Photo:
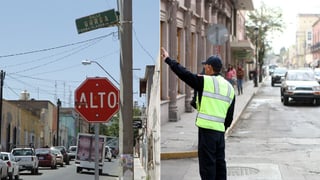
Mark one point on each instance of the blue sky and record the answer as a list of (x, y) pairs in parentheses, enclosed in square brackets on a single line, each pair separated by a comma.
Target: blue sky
[(41, 50)]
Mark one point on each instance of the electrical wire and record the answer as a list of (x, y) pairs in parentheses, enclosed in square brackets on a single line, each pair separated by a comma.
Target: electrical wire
[(142, 47), (57, 47)]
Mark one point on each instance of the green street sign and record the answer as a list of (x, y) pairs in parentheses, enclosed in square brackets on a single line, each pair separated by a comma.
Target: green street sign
[(98, 20)]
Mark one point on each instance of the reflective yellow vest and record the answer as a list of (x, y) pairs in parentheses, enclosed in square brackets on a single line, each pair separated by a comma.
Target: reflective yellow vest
[(217, 97)]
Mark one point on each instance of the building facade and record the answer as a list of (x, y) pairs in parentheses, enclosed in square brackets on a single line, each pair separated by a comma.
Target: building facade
[(20, 127), (32, 122), (45, 114), (304, 39), (315, 48)]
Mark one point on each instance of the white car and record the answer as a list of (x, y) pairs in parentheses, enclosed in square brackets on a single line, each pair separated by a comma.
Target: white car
[(26, 159), (72, 152), (13, 166), (300, 85), (3, 169), (108, 154), (317, 74)]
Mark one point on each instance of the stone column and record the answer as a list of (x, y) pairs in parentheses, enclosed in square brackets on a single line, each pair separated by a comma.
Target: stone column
[(188, 56), (173, 109)]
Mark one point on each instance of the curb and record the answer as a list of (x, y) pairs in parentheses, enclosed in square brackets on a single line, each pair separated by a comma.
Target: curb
[(179, 155), (229, 130)]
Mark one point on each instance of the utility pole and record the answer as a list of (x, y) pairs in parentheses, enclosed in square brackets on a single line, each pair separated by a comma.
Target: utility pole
[(58, 120), (2, 75), (126, 99)]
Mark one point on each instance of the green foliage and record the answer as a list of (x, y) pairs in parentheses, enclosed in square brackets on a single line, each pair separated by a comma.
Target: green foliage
[(268, 21), (136, 111), (112, 129)]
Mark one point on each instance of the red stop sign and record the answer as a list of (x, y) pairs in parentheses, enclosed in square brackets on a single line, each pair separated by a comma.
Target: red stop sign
[(97, 99)]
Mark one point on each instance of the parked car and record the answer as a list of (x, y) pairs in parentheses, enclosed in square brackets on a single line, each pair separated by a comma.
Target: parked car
[(26, 159), (59, 157), (108, 154), (317, 74), (63, 151), (271, 68), (46, 158), (300, 85), (72, 152), (3, 169), (278, 75), (13, 166)]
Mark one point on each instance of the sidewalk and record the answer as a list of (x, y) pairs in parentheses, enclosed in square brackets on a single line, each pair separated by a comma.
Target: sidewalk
[(179, 139)]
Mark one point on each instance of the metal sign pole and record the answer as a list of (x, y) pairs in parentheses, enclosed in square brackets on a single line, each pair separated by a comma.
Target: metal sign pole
[(96, 151)]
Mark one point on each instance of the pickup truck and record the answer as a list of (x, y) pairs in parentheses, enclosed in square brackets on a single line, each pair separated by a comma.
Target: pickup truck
[(26, 159)]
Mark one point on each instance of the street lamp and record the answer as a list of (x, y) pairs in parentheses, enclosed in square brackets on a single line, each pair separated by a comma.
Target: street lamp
[(88, 62), (256, 33)]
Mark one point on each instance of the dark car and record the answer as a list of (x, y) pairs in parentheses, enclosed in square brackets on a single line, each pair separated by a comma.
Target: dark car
[(46, 158), (64, 152), (278, 75)]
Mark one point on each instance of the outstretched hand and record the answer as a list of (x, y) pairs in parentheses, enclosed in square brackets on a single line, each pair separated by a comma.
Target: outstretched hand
[(164, 54)]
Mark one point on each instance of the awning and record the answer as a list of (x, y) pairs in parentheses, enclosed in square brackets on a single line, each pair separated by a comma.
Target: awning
[(241, 45)]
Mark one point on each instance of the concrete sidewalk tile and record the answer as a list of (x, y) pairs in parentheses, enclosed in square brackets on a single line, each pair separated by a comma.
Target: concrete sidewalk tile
[(139, 171)]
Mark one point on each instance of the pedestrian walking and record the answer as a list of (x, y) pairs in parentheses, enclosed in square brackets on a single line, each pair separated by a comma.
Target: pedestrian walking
[(215, 106), (240, 75), (231, 75)]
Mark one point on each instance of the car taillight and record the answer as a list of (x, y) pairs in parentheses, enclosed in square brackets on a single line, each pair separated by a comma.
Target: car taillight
[(9, 164)]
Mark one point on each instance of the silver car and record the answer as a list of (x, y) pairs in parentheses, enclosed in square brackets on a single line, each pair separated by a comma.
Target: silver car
[(300, 85), (317, 74), (13, 166)]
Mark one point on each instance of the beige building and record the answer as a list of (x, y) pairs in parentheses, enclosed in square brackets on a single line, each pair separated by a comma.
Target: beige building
[(38, 121), (315, 48), (183, 32), (304, 40), (19, 127)]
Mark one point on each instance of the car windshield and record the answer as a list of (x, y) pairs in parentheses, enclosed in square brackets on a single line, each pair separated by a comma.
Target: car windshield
[(73, 149), (280, 70), (22, 152), (4, 157), (42, 151), (301, 76)]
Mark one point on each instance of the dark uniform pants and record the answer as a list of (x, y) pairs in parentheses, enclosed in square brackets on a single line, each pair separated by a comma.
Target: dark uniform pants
[(211, 153)]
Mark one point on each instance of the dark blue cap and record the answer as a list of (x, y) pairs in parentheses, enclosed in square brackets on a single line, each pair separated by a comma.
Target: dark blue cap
[(214, 61)]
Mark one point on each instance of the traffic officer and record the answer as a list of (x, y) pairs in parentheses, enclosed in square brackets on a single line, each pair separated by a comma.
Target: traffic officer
[(215, 105)]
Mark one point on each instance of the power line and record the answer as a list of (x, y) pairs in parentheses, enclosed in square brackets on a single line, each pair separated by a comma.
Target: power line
[(55, 60), (57, 47), (144, 49)]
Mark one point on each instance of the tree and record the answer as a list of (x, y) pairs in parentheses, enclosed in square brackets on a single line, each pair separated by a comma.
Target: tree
[(268, 21)]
